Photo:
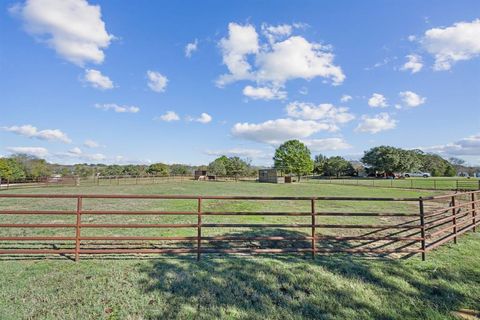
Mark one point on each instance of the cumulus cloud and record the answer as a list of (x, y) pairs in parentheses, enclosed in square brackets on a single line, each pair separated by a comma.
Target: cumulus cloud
[(376, 123), (264, 93), (241, 41), (156, 81), (91, 144), (73, 28), (276, 33), (169, 116), (272, 63), (377, 100), (77, 153), (97, 80), (190, 48), (411, 99), (38, 152), (469, 146), (452, 44), (238, 152), (414, 63), (345, 98), (117, 108), (204, 118), (323, 112), (327, 144), (279, 130), (32, 132)]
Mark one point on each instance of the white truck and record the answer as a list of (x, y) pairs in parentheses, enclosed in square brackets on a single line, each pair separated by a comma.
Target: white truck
[(417, 174)]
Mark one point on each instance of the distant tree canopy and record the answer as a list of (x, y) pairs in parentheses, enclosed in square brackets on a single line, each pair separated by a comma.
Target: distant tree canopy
[(338, 166), (218, 166), (159, 169), (11, 170), (333, 166), (386, 159), (293, 157), (33, 167), (229, 166), (180, 169)]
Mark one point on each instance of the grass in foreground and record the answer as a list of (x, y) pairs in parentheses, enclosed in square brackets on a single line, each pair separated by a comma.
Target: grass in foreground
[(267, 287), (241, 287)]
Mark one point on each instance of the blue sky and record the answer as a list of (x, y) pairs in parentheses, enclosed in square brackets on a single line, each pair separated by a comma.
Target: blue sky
[(111, 81)]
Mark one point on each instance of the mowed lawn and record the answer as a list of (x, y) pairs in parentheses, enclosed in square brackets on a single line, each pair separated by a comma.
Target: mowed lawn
[(292, 286)]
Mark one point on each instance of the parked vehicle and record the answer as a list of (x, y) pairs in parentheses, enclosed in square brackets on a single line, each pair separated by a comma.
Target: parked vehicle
[(417, 174)]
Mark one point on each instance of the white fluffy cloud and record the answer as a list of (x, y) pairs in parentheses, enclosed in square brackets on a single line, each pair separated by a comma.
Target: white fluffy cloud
[(78, 154), (115, 107), (451, 44), (469, 146), (73, 28), (327, 144), (190, 48), (411, 99), (32, 132), (264, 93), (277, 131), (97, 80), (33, 151), (323, 112), (345, 98), (156, 81), (276, 33), (238, 152), (169, 116), (204, 118), (414, 63), (377, 100), (241, 41), (91, 144), (377, 123), (272, 63)]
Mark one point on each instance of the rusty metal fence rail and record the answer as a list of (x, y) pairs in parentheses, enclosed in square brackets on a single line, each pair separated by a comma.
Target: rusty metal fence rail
[(436, 221)]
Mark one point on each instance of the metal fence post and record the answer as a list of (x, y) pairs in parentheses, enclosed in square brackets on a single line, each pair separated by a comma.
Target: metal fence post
[(77, 229), (454, 220), (199, 228), (474, 212), (422, 224), (313, 228)]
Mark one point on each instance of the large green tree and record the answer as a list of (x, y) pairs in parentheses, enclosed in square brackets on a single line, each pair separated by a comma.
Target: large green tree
[(236, 167), (218, 166), (158, 169), (338, 166), (388, 159), (293, 157), (11, 170), (319, 164)]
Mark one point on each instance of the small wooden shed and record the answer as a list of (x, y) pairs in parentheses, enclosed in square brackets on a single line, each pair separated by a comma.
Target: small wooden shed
[(270, 176), (200, 173)]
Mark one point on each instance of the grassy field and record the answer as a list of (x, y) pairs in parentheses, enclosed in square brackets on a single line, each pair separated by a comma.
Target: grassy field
[(338, 286), (435, 183)]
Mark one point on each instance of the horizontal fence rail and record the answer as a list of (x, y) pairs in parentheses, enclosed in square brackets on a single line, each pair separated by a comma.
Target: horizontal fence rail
[(419, 183), (426, 224)]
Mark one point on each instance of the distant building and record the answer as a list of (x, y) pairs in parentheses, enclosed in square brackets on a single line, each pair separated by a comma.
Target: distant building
[(270, 176), (200, 174)]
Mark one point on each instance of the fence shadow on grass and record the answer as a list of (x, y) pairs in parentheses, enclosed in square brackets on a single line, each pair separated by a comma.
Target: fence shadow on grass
[(336, 286)]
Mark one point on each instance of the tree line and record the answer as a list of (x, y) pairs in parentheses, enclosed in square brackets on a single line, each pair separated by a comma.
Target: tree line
[(292, 157), (21, 167)]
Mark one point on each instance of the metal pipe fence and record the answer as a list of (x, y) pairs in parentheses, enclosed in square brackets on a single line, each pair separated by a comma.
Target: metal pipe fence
[(420, 183), (435, 221)]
